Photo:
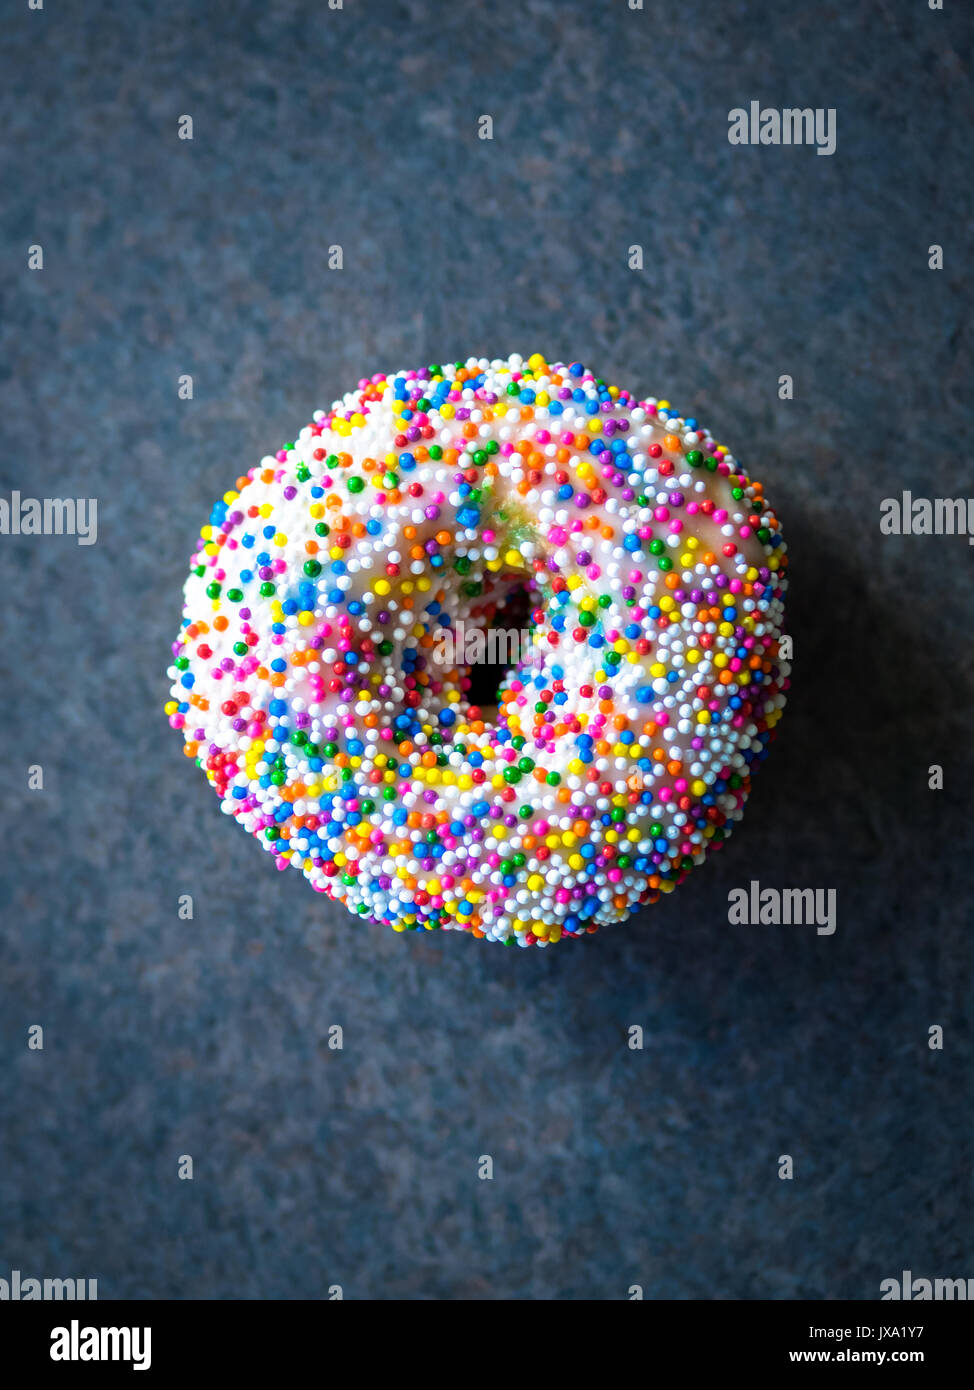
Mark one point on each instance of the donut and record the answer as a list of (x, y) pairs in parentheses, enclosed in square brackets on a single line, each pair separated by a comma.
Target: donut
[(319, 683)]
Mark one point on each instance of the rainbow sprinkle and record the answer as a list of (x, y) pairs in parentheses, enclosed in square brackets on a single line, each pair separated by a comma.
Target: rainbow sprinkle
[(305, 685)]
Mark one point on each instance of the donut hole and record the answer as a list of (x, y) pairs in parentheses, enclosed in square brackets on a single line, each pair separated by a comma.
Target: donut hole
[(506, 646)]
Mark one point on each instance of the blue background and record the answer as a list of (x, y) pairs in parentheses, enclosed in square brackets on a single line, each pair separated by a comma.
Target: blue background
[(163, 1037)]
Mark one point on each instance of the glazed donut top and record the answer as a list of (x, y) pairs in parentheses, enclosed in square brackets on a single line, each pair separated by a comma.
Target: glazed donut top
[(307, 682)]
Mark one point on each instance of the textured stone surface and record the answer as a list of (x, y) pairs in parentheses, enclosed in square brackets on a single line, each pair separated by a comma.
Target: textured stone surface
[(163, 1037)]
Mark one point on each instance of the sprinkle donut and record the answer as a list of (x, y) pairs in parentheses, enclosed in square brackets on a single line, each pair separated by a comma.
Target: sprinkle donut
[(309, 678)]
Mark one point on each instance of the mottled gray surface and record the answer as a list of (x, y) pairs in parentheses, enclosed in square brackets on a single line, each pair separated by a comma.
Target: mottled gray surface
[(164, 1037)]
